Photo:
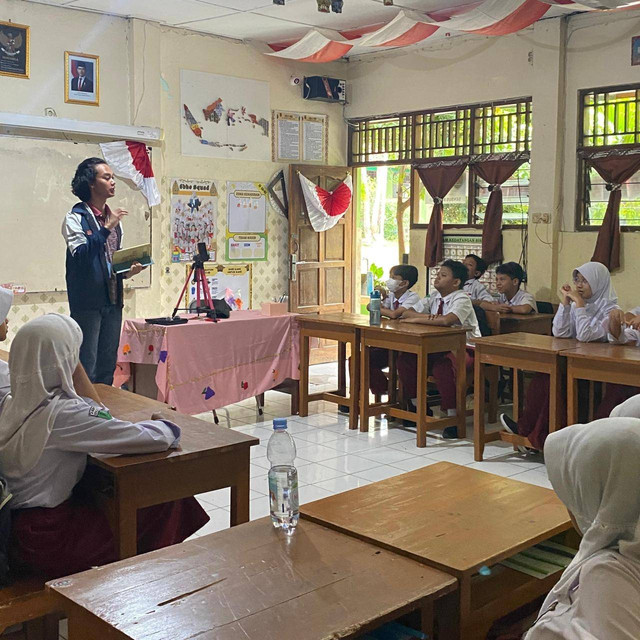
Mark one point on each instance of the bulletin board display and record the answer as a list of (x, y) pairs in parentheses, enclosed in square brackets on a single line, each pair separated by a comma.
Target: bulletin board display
[(230, 282)]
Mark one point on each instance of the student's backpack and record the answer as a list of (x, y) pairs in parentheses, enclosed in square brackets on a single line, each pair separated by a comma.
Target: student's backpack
[(5, 532)]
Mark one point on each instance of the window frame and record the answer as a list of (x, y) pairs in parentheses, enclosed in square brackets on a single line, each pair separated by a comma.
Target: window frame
[(581, 164), (412, 156)]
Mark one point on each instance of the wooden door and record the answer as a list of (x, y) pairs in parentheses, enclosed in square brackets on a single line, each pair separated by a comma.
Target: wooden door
[(320, 263)]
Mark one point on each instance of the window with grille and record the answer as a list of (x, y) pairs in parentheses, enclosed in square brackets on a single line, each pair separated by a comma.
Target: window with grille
[(609, 122), (452, 132)]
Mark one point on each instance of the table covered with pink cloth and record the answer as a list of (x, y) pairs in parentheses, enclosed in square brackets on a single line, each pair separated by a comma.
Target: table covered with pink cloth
[(204, 365)]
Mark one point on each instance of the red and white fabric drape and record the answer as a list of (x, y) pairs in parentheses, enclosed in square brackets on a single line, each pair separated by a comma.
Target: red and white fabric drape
[(485, 17)]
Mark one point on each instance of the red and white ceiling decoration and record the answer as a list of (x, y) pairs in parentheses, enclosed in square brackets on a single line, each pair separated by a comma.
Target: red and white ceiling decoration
[(485, 17)]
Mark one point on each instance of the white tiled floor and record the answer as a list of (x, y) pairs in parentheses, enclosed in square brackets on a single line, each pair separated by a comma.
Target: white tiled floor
[(331, 458)]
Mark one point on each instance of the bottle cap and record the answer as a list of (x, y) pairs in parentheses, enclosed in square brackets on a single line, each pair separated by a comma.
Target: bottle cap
[(279, 424), (375, 294)]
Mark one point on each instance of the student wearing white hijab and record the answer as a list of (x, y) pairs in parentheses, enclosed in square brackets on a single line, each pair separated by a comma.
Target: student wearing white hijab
[(594, 470), (628, 409), (6, 300), (46, 431), (581, 314)]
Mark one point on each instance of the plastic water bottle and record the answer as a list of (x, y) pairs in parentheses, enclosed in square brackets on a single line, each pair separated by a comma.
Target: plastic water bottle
[(374, 309), (283, 478), (369, 282)]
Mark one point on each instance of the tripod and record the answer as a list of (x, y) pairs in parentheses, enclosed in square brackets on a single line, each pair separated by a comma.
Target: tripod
[(202, 290)]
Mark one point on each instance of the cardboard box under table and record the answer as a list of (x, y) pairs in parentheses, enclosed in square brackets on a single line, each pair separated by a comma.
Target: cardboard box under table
[(458, 520)]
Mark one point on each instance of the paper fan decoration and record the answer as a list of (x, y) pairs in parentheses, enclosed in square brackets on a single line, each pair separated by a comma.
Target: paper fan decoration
[(324, 207)]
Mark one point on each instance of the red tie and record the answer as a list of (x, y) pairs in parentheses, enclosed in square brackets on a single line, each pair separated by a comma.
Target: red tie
[(396, 304), (440, 307)]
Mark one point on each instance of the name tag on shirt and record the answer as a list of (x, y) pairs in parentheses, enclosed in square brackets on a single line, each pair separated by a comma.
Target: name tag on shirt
[(96, 412)]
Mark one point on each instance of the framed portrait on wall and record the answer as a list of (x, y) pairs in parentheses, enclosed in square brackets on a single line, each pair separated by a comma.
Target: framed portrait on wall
[(635, 50), (81, 78), (14, 50)]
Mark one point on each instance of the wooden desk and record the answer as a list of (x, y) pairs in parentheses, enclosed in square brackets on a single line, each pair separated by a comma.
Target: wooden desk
[(458, 520), (599, 362), (421, 340), (250, 583), (520, 352), (209, 458), (344, 328), (513, 323)]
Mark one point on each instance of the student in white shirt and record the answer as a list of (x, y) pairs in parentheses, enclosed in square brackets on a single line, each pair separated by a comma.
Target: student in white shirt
[(476, 267), (512, 299), (48, 425), (448, 306), (581, 315), (6, 300), (594, 470)]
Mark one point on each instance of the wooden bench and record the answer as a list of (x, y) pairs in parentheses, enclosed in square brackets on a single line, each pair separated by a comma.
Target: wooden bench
[(26, 602)]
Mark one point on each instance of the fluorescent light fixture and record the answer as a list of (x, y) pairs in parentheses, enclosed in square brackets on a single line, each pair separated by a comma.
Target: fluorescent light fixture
[(47, 127)]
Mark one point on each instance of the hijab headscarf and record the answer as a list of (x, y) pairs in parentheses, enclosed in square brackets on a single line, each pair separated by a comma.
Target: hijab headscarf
[(603, 295), (628, 409), (594, 470), (6, 300), (43, 357)]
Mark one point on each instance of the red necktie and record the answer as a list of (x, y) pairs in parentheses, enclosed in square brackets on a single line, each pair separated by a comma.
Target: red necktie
[(396, 304), (440, 307)]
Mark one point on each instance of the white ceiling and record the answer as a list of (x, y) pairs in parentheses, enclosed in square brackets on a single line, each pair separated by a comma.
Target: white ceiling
[(256, 19)]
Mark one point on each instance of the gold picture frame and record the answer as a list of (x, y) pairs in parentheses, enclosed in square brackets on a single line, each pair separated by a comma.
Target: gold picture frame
[(81, 78), (14, 50)]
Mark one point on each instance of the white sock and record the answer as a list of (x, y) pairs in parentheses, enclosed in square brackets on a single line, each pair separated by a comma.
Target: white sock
[(451, 412)]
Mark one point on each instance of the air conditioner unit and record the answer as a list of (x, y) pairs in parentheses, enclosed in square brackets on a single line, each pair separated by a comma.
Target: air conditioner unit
[(324, 89)]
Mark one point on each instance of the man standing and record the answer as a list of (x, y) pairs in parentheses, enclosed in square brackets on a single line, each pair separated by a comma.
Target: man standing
[(93, 233), (82, 83)]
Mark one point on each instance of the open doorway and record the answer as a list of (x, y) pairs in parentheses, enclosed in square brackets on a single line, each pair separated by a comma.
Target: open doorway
[(383, 212)]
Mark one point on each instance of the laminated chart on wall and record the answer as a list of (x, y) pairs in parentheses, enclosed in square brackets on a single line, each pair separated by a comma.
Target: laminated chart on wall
[(300, 137), (194, 208), (457, 248), (246, 221), (230, 282)]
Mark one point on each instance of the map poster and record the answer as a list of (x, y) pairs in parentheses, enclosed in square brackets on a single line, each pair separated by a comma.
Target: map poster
[(246, 221), (194, 209)]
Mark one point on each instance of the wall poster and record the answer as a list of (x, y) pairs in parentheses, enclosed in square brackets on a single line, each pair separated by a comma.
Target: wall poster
[(224, 117), (194, 208), (246, 221), (300, 137)]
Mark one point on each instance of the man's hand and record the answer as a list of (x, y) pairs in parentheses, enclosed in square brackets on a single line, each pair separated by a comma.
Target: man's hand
[(503, 308), (616, 320), (635, 323), (135, 269), (160, 416), (115, 218)]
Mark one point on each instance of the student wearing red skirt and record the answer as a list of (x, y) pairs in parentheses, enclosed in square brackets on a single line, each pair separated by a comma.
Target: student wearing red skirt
[(49, 423), (582, 315)]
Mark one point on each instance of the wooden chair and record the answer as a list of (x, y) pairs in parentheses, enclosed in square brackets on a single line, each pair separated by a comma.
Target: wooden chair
[(26, 602)]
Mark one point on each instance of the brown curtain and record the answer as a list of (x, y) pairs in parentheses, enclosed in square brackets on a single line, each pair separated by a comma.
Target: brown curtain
[(496, 173), (615, 170), (438, 179)]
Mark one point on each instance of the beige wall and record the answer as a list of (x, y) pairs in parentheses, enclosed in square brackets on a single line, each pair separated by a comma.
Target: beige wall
[(550, 62), (135, 56)]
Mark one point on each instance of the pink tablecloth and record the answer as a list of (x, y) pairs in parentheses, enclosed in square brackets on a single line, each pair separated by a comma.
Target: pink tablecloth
[(204, 366)]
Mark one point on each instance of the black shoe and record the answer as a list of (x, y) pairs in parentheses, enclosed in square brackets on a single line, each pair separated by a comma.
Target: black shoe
[(343, 408), (450, 433), (509, 423)]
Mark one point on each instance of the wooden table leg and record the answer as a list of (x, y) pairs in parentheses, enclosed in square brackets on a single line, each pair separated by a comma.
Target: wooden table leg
[(364, 384), (467, 630), (393, 377), (493, 375), (354, 385), (461, 388), (421, 406), (240, 492), (555, 389), (126, 519), (342, 373), (304, 374), (427, 617), (478, 408), (515, 377), (572, 397)]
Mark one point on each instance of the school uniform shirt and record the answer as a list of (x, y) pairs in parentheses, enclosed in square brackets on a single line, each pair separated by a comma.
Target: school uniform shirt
[(477, 291), (5, 383), (408, 300), (82, 427), (459, 303), (591, 322), (628, 335), (521, 297)]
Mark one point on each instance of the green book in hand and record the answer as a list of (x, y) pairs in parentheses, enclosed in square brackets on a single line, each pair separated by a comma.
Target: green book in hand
[(124, 258)]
